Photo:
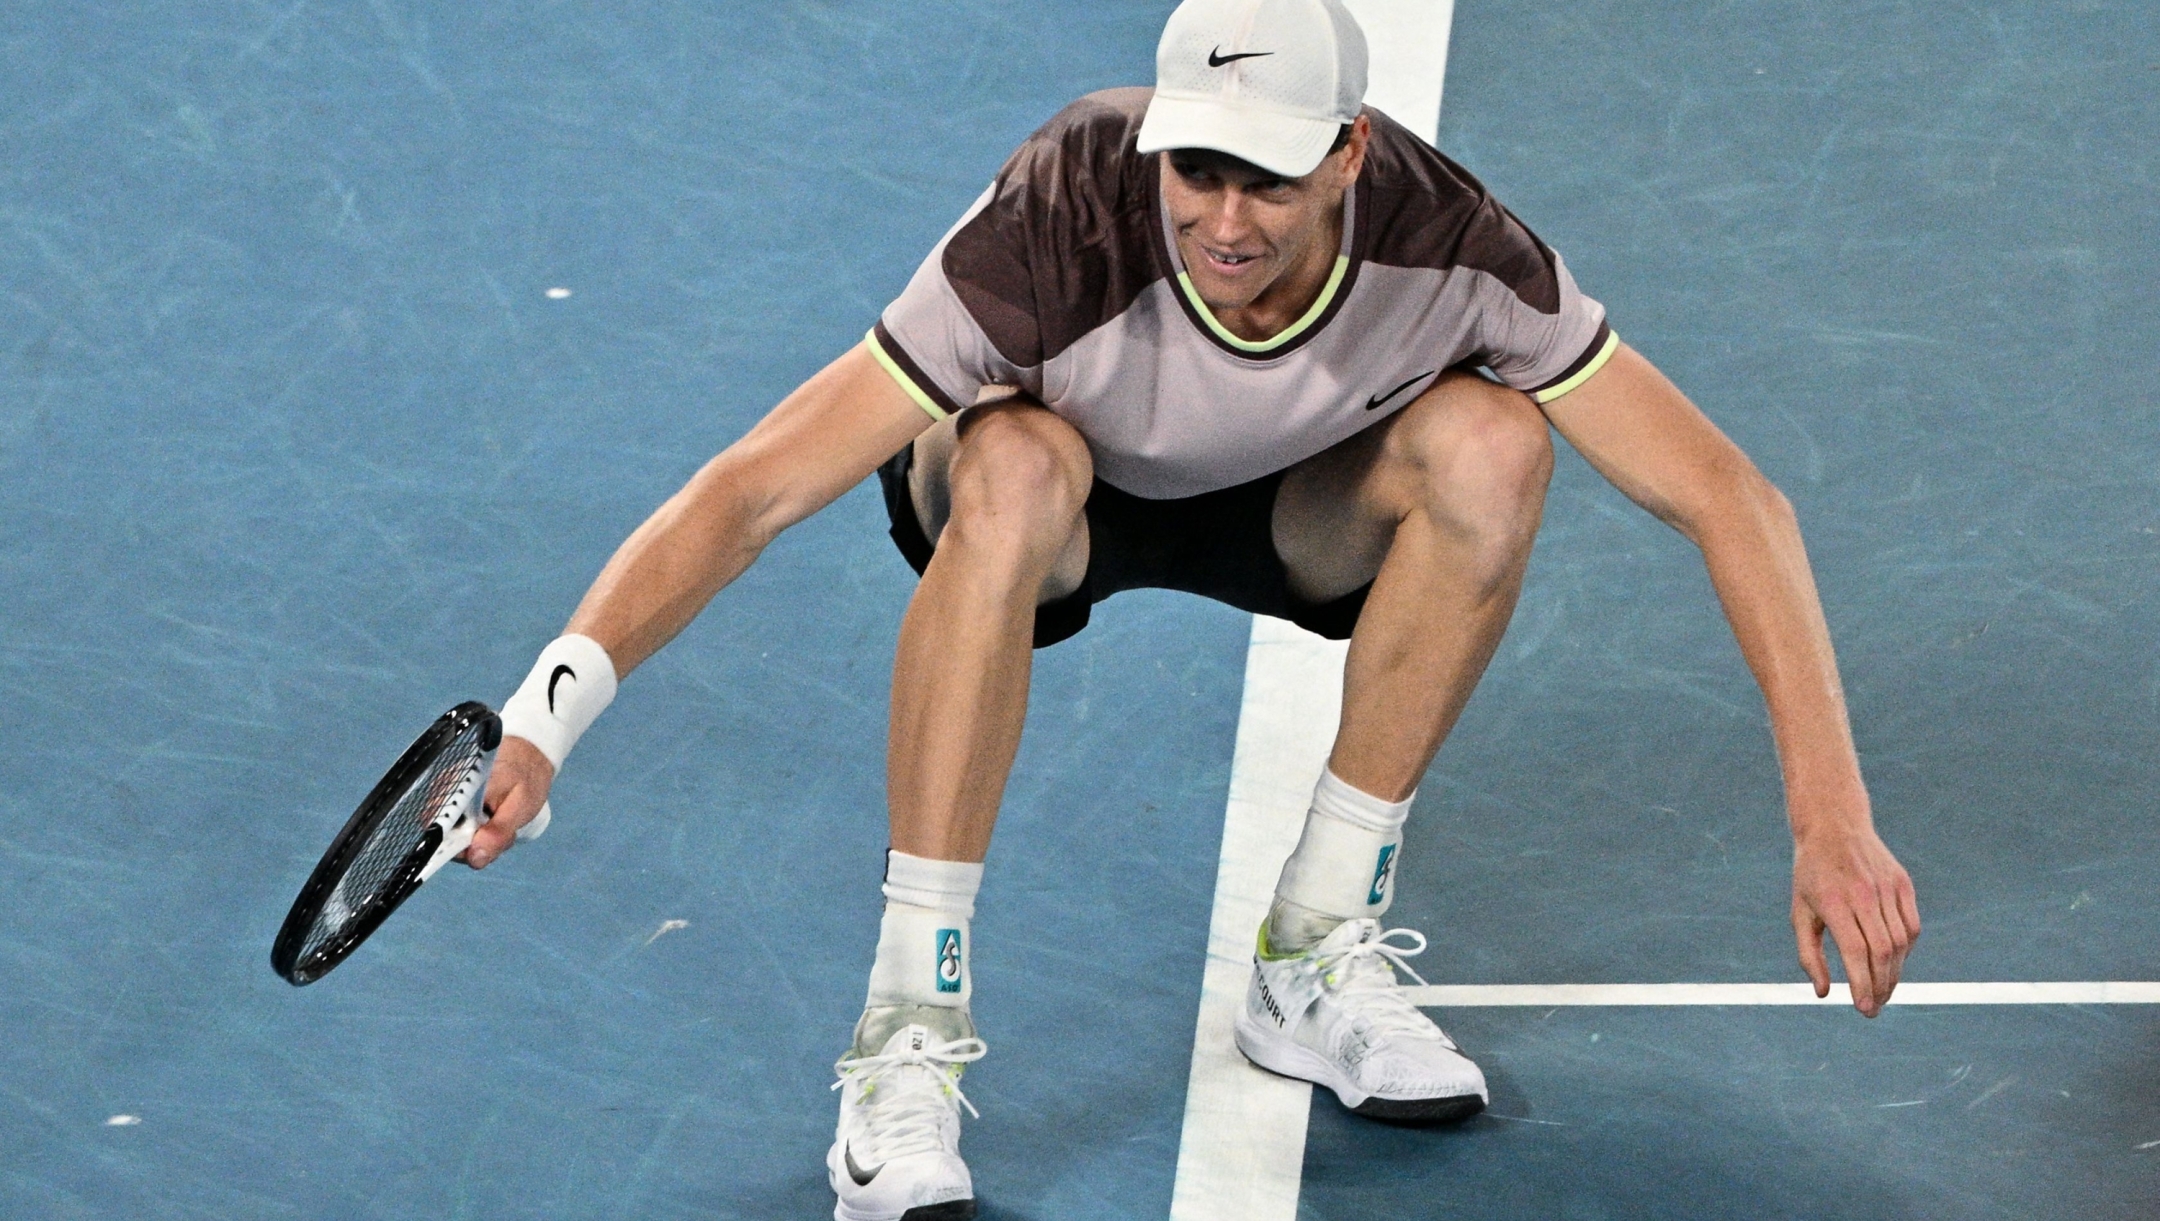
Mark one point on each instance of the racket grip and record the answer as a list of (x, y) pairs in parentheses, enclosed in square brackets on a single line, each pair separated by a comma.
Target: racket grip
[(454, 841), (538, 825), (460, 835)]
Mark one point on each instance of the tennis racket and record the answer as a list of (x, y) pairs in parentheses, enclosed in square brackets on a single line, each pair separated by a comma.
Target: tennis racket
[(420, 815)]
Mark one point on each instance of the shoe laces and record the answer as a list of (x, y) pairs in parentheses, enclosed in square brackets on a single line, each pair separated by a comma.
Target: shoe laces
[(1361, 976), (910, 1093)]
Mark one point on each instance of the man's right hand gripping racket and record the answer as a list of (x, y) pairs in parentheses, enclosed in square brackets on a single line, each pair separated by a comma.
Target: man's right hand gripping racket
[(418, 818)]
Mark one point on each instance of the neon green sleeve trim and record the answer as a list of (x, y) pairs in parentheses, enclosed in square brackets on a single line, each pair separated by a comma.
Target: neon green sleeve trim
[(1319, 307), (1605, 353), (907, 383)]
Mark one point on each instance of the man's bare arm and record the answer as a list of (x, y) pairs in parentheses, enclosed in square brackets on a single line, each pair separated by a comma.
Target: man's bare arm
[(1641, 433), (820, 441)]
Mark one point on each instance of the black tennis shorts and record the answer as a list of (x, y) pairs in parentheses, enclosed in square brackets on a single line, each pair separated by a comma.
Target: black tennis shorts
[(1219, 545)]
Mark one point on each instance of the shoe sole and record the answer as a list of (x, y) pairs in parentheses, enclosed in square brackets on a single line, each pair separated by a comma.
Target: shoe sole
[(950, 1210), (1286, 1059), (1419, 1112)]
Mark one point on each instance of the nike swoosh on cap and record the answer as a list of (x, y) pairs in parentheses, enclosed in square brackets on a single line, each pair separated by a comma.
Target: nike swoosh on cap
[(1217, 59), (861, 1176), (1375, 401), (554, 678)]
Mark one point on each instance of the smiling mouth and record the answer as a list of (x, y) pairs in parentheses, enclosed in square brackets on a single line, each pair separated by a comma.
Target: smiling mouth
[(1226, 261)]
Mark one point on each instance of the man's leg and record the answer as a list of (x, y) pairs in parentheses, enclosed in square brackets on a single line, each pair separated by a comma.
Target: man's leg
[(1438, 508), (1001, 492)]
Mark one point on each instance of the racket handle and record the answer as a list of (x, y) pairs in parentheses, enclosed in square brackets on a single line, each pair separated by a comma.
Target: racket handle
[(460, 835), (454, 841)]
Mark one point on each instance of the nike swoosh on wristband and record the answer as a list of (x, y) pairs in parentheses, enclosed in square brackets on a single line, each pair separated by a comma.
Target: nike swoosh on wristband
[(861, 1176), (1375, 401), (554, 678), (1217, 59)]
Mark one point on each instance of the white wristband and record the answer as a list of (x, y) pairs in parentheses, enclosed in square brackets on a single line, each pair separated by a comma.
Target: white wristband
[(566, 691)]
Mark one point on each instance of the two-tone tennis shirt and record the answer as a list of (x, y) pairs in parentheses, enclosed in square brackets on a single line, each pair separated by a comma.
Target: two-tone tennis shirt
[(1064, 279)]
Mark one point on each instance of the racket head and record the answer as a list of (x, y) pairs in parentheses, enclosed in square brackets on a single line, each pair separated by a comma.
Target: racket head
[(375, 862)]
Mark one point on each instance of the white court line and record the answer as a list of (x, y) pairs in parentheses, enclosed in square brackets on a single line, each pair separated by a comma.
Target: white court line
[(1242, 1153), (1474, 996)]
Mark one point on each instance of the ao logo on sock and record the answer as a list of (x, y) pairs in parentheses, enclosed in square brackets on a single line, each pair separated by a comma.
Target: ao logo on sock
[(948, 960), (1381, 874)]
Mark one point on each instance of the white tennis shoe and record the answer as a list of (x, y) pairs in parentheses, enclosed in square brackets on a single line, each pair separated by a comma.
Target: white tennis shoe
[(896, 1155), (1334, 1015)]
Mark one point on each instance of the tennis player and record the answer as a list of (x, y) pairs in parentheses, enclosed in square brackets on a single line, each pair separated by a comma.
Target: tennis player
[(1243, 337)]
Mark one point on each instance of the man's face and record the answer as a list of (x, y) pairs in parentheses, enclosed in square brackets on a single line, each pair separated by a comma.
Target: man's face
[(1240, 228)]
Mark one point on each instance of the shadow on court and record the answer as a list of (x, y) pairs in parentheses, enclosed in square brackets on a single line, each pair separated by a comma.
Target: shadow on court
[(1948, 1114)]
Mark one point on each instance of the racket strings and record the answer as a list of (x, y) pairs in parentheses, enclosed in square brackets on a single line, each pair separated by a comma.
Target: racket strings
[(381, 860)]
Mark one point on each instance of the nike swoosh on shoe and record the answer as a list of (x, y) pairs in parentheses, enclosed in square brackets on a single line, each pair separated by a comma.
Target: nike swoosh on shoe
[(861, 1176)]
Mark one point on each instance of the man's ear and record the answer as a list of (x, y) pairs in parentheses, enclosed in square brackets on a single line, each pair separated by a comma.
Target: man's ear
[(1354, 151)]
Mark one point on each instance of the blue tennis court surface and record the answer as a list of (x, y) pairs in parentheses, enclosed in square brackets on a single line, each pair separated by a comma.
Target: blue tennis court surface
[(297, 449)]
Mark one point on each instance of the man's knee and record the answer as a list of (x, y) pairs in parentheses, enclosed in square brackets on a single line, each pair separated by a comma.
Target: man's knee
[(1018, 474), (1476, 454)]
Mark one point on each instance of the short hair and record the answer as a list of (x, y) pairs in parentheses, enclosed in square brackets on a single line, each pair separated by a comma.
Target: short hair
[(1214, 159)]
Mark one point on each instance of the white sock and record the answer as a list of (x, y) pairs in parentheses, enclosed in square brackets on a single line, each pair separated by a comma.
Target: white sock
[(1344, 865), (923, 941), (939, 885)]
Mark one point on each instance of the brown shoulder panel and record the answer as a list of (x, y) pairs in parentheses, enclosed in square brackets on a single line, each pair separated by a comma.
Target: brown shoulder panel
[(1429, 212), (1066, 241)]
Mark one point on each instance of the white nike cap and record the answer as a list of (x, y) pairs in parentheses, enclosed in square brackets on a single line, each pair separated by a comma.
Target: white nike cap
[(1269, 81)]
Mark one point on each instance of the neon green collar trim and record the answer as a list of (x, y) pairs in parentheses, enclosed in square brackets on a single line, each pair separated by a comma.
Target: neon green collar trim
[(1288, 333)]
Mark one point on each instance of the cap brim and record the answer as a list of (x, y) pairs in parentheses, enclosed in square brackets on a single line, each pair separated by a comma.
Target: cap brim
[(1278, 143)]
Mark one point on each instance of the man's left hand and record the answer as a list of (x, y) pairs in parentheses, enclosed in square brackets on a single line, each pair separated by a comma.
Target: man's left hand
[(1848, 884)]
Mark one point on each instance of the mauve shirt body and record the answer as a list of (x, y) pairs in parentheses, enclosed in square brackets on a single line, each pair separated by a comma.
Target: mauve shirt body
[(1063, 279)]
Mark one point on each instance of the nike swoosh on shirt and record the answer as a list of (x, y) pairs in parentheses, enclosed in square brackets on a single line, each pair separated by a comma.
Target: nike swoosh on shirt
[(554, 678), (1374, 402), (861, 1176), (1217, 59)]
